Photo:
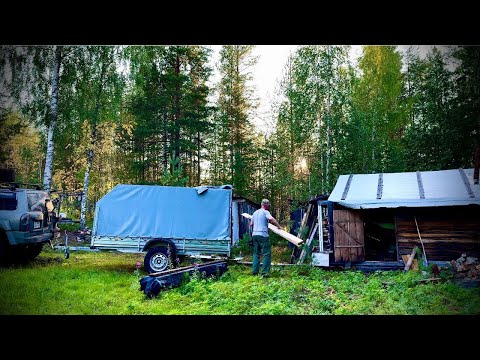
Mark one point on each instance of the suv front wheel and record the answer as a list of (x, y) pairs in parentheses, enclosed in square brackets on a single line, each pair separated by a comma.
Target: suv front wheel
[(32, 251), (4, 248)]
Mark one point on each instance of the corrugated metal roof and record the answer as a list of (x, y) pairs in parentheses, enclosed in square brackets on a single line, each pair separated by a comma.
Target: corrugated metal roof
[(409, 189)]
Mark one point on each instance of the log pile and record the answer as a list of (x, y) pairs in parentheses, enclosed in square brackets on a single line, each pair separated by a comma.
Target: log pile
[(467, 267)]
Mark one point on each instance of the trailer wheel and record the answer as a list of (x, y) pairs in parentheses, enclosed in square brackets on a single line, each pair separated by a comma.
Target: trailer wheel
[(157, 259)]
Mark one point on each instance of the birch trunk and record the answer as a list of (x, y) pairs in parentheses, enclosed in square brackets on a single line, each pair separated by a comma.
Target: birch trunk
[(327, 180), (327, 172), (47, 174), (86, 180), (320, 149)]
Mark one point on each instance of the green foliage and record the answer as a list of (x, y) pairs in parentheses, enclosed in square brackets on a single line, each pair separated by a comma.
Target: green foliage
[(168, 106), (69, 227), (20, 147), (150, 116), (243, 247), (107, 283), (231, 142)]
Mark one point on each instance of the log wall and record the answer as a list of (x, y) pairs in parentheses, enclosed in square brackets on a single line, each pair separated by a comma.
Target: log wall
[(447, 232)]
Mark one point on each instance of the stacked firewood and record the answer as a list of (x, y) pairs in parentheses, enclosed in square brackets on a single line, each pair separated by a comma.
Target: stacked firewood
[(466, 267)]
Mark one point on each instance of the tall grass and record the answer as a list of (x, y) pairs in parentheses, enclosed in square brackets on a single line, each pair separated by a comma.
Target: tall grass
[(108, 283)]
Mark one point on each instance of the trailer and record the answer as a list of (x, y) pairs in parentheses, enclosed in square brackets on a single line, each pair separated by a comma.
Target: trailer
[(165, 222)]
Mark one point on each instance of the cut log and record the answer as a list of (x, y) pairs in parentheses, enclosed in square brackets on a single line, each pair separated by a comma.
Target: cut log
[(410, 260), (287, 236)]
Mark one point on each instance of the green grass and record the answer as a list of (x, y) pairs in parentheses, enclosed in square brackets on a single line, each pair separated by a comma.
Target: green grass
[(107, 283)]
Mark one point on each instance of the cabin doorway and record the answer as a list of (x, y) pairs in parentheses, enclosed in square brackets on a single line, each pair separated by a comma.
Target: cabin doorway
[(380, 240)]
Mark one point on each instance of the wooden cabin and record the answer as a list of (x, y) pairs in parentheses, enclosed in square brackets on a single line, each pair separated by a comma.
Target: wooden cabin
[(377, 218), (240, 224)]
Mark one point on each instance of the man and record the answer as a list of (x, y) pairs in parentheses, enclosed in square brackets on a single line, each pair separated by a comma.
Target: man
[(261, 241)]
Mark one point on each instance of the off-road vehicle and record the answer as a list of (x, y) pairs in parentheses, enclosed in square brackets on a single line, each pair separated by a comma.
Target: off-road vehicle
[(26, 222)]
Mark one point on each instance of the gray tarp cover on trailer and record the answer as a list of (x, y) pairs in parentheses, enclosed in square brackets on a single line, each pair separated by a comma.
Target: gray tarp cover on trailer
[(408, 189), (165, 211)]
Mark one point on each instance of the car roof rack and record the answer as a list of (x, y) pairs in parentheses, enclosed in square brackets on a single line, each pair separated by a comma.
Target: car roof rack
[(16, 185)]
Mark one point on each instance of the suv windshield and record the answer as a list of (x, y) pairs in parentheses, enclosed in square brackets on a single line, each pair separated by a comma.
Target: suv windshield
[(8, 200)]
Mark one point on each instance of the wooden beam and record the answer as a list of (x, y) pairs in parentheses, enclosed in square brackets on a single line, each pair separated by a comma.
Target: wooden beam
[(414, 266), (304, 223), (306, 249), (338, 223), (320, 229), (410, 260), (287, 236)]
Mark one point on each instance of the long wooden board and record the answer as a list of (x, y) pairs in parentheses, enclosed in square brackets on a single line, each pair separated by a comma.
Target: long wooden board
[(287, 236)]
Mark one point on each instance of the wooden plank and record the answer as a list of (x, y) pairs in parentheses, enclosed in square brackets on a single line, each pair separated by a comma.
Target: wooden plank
[(345, 238), (306, 249), (347, 232), (287, 236), (396, 235), (439, 241), (351, 227), (410, 260), (414, 263), (303, 232), (349, 246), (320, 230), (338, 236), (358, 228)]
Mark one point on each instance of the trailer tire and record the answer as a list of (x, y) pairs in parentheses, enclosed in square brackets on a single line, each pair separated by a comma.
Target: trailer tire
[(157, 259)]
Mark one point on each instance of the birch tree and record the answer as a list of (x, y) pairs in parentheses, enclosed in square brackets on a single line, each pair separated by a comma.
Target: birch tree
[(42, 79), (100, 93)]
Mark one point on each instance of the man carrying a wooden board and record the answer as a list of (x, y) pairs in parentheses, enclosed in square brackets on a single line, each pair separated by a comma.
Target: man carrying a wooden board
[(261, 240)]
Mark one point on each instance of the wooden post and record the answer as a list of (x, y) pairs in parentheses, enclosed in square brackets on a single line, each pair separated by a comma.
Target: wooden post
[(320, 230), (421, 242)]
